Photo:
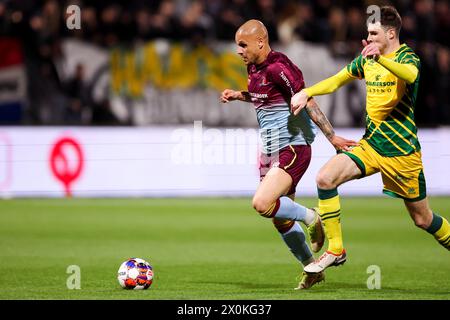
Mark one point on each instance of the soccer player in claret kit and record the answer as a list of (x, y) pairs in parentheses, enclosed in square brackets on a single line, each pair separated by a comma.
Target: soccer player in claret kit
[(286, 151), (390, 144)]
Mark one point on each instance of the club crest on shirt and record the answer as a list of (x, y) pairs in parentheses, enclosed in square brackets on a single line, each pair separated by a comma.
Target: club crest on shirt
[(264, 82)]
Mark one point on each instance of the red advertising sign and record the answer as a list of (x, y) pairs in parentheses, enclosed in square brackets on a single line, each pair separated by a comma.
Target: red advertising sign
[(66, 162)]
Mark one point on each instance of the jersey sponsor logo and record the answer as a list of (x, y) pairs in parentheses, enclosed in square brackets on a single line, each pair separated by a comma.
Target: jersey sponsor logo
[(259, 95), (380, 83), (378, 90), (288, 83)]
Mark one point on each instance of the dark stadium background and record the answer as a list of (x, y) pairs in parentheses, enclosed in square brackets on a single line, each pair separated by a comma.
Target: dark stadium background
[(339, 26)]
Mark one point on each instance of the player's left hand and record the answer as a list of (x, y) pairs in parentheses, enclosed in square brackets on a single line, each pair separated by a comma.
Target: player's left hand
[(343, 144), (370, 50), (298, 102)]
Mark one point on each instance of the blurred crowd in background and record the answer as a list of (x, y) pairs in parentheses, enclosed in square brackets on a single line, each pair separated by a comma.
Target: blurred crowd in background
[(338, 24)]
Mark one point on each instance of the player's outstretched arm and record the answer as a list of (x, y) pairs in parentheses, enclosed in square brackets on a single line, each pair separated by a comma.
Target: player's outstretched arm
[(329, 85), (319, 118), (231, 95)]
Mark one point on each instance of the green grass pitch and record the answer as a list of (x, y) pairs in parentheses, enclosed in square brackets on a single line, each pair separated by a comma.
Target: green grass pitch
[(209, 249)]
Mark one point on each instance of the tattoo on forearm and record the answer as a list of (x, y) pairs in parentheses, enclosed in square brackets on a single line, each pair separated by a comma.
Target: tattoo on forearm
[(320, 119)]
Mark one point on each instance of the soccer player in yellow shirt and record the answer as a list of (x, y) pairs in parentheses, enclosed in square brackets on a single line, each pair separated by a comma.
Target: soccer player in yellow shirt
[(390, 144)]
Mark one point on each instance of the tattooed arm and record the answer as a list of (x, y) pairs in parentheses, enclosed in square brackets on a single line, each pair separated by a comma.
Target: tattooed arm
[(319, 118)]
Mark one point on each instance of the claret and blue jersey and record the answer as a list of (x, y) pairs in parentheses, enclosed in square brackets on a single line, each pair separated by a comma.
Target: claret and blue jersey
[(271, 85)]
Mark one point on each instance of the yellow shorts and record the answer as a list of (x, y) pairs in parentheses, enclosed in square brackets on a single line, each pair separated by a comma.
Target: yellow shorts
[(402, 176)]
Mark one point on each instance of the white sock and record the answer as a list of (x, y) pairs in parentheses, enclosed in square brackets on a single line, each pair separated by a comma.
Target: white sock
[(310, 216)]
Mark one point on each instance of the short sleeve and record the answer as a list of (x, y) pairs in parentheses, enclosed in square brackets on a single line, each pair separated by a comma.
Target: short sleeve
[(411, 58), (355, 68), (288, 79)]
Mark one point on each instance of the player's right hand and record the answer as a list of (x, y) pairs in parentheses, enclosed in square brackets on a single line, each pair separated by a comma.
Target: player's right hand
[(370, 50), (298, 102), (229, 95), (342, 144)]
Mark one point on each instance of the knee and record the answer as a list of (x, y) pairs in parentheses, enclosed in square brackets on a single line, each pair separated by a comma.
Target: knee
[(260, 205), (324, 181), (422, 220), (420, 223)]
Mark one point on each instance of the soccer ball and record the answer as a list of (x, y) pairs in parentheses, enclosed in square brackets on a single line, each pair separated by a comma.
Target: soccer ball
[(135, 273)]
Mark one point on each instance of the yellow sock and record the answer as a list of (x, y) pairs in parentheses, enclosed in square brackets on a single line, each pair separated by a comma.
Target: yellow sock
[(440, 229), (330, 213)]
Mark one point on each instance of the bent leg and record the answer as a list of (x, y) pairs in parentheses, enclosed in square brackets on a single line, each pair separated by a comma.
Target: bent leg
[(275, 184), (337, 170), (269, 200), (431, 222), (420, 212)]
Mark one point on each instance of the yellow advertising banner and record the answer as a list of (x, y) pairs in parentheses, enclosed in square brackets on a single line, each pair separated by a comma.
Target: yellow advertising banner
[(178, 66)]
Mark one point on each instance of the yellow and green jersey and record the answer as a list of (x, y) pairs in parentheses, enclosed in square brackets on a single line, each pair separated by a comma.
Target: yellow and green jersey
[(390, 103)]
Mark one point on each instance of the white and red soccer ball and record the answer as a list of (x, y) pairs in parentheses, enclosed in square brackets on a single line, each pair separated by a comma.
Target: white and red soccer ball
[(136, 274)]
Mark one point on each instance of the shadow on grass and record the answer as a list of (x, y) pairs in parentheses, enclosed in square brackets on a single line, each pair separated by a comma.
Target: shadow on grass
[(337, 290), (243, 285), (385, 292)]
